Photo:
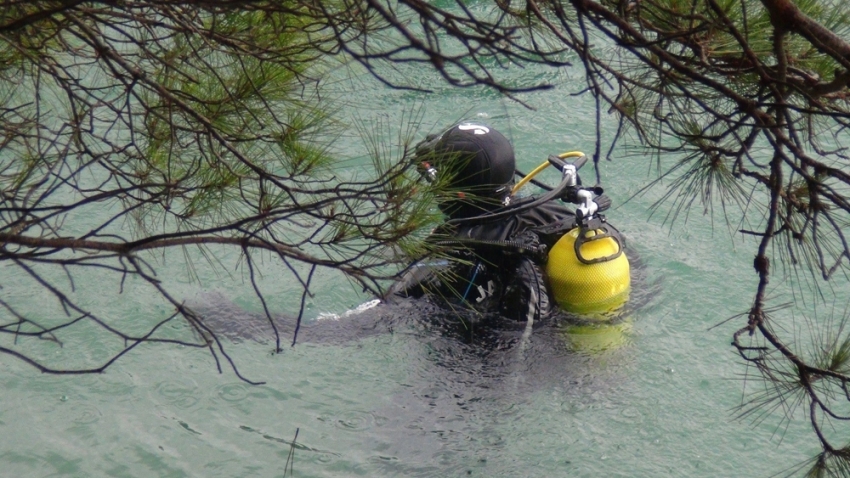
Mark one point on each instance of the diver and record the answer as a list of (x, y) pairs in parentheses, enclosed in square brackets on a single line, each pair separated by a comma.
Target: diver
[(498, 243), (501, 261)]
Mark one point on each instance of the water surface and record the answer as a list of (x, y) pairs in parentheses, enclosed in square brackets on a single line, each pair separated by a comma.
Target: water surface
[(411, 400)]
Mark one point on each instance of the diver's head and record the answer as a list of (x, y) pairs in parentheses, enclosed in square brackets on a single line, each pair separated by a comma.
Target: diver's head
[(480, 163)]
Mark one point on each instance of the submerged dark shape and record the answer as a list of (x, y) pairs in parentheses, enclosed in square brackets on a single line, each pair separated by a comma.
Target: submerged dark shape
[(408, 316), (227, 319), (426, 317)]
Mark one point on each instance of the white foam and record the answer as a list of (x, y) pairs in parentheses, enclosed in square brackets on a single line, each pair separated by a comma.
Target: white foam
[(360, 308)]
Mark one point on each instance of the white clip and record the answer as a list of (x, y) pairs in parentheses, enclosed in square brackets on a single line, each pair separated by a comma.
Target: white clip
[(570, 174)]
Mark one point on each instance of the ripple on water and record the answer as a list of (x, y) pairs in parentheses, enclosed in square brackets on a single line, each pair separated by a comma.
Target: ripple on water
[(628, 416), (356, 421), (232, 392), (85, 414), (180, 394), (82, 419)]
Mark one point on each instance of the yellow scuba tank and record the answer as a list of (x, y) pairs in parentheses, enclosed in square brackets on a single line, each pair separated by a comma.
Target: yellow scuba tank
[(589, 275), (587, 269)]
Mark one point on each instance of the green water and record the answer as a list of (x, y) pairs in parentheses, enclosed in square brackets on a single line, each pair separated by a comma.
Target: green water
[(412, 403)]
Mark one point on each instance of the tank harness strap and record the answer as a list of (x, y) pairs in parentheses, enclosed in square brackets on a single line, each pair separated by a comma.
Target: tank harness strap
[(601, 230)]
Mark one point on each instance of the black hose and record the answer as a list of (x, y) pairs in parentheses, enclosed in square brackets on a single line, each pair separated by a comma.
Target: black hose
[(538, 250), (506, 211)]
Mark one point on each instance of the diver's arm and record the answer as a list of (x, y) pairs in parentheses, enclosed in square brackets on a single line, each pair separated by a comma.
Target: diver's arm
[(415, 281)]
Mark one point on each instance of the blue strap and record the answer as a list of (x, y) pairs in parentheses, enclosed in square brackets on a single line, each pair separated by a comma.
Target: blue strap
[(472, 280)]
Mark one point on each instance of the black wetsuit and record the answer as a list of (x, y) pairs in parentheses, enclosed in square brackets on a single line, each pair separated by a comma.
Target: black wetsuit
[(496, 267)]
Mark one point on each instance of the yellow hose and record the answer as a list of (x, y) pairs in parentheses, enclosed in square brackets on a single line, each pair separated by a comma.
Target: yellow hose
[(528, 177)]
